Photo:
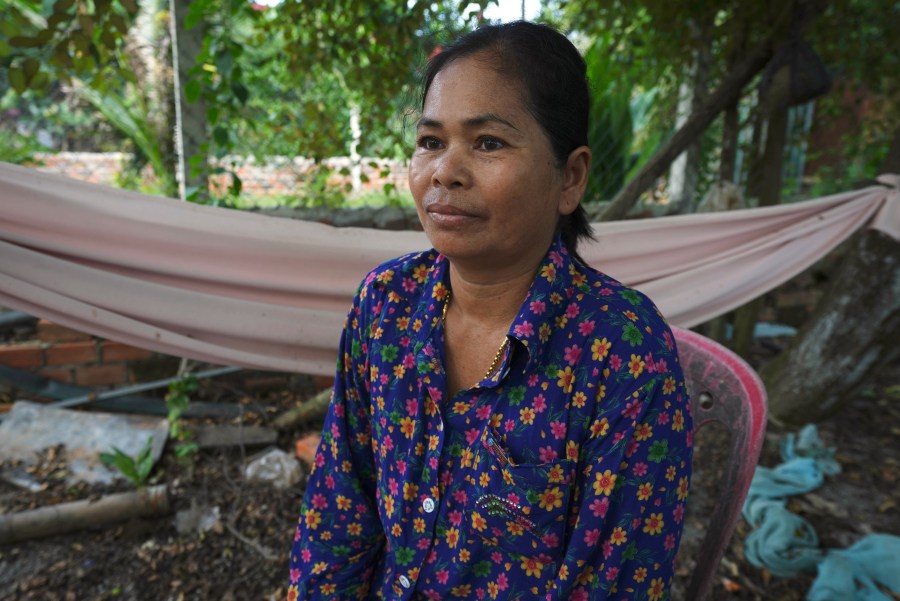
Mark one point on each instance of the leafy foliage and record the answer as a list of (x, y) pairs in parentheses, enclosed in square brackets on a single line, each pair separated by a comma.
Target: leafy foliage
[(136, 469)]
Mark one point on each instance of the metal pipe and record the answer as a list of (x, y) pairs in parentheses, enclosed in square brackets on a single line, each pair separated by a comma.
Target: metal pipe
[(111, 394)]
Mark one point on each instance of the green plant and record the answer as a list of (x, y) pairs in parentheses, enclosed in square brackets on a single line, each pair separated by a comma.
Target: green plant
[(136, 469), (177, 401)]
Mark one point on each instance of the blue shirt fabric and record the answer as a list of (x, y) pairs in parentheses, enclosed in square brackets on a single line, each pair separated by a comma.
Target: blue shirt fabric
[(562, 476)]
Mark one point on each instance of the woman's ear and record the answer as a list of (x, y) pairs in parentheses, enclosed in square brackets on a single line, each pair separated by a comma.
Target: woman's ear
[(575, 176)]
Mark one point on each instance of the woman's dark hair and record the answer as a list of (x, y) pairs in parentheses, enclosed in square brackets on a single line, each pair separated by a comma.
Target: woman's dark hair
[(553, 75)]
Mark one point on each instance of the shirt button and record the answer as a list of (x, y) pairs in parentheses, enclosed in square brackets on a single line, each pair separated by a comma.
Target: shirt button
[(428, 504), (404, 581)]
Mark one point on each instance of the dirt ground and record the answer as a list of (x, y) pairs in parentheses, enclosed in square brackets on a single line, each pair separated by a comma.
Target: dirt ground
[(245, 556)]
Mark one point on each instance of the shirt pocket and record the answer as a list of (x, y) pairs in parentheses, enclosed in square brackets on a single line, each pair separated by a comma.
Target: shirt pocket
[(519, 508)]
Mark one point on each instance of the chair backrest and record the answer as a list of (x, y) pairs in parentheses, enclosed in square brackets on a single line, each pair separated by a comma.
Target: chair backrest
[(725, 389)]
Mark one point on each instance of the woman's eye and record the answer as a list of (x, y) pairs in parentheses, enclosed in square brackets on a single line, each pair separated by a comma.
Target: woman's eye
[(487, 143), (429, 143)]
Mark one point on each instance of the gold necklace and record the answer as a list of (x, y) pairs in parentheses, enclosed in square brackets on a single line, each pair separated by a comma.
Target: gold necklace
[(500, 351)]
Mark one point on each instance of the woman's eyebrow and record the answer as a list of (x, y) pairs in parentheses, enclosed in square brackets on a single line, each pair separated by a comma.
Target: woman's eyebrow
[(469, 123)]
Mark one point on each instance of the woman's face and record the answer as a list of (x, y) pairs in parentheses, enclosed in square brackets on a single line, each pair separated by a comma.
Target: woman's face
[(483, 174)]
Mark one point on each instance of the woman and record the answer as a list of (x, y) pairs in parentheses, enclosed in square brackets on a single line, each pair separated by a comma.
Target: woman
[(507, 423)]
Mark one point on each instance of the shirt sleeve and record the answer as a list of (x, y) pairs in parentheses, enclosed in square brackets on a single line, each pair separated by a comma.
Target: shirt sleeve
[(629, 496), (339, 536)]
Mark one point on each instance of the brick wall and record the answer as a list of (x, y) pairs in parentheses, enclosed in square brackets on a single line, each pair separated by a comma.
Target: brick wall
[(76, 358), (279, 176)]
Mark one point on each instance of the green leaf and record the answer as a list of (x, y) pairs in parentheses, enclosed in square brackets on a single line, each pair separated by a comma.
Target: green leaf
[(17, 80), (220, 135), (192, 90), (40, 82), (240, 92), (21, 41)]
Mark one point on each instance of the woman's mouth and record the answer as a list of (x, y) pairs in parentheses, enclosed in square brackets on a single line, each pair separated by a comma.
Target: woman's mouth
[(448, 215)]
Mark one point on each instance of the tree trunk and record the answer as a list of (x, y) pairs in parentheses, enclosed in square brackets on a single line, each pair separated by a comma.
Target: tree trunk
[(851, 335), (725, 94), (193, 125), (686, 168)]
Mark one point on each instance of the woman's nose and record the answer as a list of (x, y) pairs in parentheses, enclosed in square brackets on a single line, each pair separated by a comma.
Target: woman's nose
[(452, 169)]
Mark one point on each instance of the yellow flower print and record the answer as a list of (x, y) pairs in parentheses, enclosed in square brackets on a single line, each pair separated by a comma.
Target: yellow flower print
[(420, 273), (682, 490), (636, 366), (514, 528), (386, 276), (654, 524), (600, 349), (618, 537), (396, 530), (657, 589), (407, 426), (527, 415), (605, 483), (640, 574), (550, 499), (544, 332), (484, 479), (572, 450), (643, 432), (669, 385), (399, 371), (566, 379), (410, 490), (343, 503), (452, 537), (464, 555), (549, 271), (478, 522), (671, 472), (678, 421), (630, 315), (599, 428), (440, 291), (354, 529), (579, 399), (313, 519), (463, 590), (601, 392), (493, 589), (555, 474), (389, 504), (419, 525), (644, 491), (532, 567)]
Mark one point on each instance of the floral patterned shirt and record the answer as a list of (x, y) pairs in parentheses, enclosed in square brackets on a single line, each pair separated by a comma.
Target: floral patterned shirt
[(562, 476)]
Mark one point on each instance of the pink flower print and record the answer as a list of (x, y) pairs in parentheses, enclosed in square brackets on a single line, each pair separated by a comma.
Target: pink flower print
[(551, 540), (502, 582), (513, 498), (663, 418), (592, 537), (393, 486), (533, 379), (600, 507), (537, 307), (442, 576), (607, 549), (455, 517), (615, 362), (631, 447), (612, 573), (306, 554), (339, 410), (571, 354), (497, 557), (483, 412), (586, 327), (412, 406), (556, 258), (460, 496), (558, 428), (661, 366), (639, 469), (433, 463), (651, 363), (678, 513), (605, 291), (579, 594), (472, 435), (540, 403), (409, 361), (633, 409), (319, 501), (547, 454), (670, 542), (572, 310), (329, 480), (409, 285), (509, 424), (668, 338), (423, 543), (401, 466), (320, 459), (524, 329)]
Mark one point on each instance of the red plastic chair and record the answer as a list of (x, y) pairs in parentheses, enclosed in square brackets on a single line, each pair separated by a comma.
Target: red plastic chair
[(723, 388)]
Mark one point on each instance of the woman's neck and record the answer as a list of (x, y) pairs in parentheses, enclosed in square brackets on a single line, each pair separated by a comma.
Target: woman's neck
[(488, 299)]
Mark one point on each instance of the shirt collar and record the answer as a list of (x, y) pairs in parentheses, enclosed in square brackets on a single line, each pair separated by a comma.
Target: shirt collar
[(546, 303)]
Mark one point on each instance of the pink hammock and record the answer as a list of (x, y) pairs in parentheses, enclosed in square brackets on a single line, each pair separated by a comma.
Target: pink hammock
[(237, 288)]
